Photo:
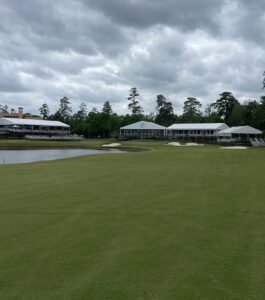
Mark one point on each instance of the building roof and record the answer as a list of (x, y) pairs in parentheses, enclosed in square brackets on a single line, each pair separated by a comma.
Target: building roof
[(240, 130), (11, 121), (198, 126), (144, 125)]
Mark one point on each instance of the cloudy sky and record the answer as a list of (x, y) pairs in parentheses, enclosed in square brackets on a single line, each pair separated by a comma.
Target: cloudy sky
[(96, 50)]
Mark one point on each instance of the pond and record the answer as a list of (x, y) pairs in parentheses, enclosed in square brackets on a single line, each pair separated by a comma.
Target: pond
[(26, 156)]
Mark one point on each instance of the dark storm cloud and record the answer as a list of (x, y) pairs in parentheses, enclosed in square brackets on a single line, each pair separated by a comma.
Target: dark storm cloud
[(93, 50)]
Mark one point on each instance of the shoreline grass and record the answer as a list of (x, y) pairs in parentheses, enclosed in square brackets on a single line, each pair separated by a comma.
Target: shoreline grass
[(85, 144)]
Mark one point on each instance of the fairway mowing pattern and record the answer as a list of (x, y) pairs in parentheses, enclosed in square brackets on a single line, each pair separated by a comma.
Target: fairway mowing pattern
[(170, 223)]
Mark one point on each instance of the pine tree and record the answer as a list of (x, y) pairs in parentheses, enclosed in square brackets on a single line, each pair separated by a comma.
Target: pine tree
[(134, 105), (44, 111), (165, 114), (225, 105), (107, 108), (191, 110)]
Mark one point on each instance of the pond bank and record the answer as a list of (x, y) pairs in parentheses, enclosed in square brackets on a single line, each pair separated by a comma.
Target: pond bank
[(95, 144)]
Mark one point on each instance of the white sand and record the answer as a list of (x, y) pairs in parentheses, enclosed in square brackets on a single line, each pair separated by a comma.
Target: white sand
[(176, 144), (113, 145), (234, 147)]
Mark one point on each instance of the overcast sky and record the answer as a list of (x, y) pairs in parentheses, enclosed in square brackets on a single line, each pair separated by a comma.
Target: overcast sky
[(96, 50)]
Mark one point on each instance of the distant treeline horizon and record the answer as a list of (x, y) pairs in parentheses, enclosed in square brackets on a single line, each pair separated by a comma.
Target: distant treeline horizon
[(226, 109)]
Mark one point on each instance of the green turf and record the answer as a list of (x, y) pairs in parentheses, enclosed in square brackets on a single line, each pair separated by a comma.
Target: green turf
[(22, 144), (170, 223)]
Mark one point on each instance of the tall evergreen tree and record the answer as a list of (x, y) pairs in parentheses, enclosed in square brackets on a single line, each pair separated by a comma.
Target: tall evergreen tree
[(191, 110), (81, 114), (64, 112), (44, 111), (225, 105), (134, 105), (107, 108), (165, 114)]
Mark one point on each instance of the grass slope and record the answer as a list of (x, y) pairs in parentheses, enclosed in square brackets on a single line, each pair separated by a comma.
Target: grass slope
[(171, 223)]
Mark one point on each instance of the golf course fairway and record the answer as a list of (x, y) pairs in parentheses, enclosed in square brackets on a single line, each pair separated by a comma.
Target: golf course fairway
[(168, 223)]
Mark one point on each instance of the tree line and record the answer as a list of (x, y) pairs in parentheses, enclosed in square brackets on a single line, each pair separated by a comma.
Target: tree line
[(101, 123)]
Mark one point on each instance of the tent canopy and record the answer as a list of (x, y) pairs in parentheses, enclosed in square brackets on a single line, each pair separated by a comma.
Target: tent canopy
[(240, 130), (31, 122), (198, 126), (143, 125)]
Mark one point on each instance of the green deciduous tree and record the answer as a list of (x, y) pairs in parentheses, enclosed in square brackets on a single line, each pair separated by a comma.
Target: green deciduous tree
[(210, 115), (3, 108), (260, 114), (237, 116)]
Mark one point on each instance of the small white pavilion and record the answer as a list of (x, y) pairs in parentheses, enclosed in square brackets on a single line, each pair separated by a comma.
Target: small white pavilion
[(143, 129), (238, 135)]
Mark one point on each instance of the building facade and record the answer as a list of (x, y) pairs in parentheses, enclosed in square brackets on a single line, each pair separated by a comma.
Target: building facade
[(238, 135), (19, 114), (200, 132), (19, 128), (143, 129), (195, 131)]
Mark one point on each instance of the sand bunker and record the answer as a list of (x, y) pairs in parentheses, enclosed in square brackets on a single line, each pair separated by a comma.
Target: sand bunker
[(177, 144), (112, 145), (234, 147)]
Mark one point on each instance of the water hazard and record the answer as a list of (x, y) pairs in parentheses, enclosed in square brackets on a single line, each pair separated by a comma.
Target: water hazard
[(26, 156)]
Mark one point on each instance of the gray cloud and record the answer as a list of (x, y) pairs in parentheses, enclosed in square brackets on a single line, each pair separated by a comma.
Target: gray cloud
[(94, 50), (146, 13)]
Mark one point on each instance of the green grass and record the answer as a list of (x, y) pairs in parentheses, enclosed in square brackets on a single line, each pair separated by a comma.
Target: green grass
[(85, 144), (22, 144), (170, 223)]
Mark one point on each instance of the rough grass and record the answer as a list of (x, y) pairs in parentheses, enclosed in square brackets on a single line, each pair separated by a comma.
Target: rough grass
[(170, 223)]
